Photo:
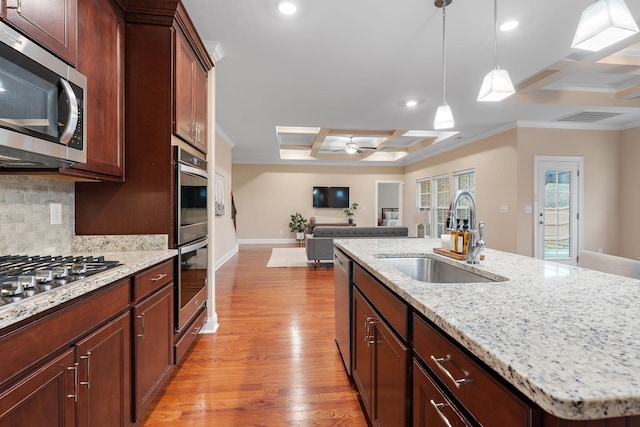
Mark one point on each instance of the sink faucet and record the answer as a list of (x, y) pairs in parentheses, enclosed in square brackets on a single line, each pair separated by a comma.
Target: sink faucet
[(476, 234)]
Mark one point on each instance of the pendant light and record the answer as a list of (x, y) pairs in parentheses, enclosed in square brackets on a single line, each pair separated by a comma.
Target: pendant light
[(602, 24), (496, 85), (444, 116)]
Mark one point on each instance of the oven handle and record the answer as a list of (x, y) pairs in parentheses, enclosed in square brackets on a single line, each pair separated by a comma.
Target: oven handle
[(193, 171), (192, 247)]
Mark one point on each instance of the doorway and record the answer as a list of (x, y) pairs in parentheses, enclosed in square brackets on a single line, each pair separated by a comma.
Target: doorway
[(389, 198), (558, 186)]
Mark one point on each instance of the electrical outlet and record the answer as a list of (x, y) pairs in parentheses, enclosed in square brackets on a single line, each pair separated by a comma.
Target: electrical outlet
[(504, 209), (55, 212)]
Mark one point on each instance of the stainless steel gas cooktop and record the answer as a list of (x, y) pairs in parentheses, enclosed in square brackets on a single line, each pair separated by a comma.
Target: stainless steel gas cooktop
[(22, 276)]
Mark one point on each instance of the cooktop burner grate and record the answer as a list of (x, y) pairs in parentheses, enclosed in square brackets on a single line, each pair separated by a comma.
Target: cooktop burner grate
[(22, 276)]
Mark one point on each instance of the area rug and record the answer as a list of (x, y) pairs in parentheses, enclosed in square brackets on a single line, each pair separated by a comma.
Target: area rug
[(288, 257)]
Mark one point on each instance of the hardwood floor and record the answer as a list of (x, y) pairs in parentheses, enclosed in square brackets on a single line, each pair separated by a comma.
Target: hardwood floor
[(273, 360)]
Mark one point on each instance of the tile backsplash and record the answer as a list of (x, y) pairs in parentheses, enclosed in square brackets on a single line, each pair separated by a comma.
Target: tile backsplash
[(25, 224)]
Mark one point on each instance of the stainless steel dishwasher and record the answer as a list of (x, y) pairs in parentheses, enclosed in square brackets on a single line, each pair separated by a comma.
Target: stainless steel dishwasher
[(342, 282)]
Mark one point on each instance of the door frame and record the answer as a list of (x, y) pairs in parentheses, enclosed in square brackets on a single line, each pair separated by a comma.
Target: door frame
[(400, 185), (538, 252)]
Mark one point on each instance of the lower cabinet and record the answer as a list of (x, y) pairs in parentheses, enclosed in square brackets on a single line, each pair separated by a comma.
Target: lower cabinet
[(430, 406), (153, 346), (380, 366), (44, 398), (104, 372)]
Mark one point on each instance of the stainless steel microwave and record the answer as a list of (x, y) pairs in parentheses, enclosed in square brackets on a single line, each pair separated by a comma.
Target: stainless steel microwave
[(42, 99)]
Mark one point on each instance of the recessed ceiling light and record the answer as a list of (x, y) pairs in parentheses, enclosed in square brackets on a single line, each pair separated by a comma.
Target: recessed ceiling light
[(287, 7), (509, 25), (411, 103)]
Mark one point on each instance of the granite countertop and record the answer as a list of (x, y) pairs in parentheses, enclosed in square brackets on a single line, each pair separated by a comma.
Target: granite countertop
[(566, 337), (130, 263)]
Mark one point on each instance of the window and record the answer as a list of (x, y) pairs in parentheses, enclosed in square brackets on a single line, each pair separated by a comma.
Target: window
[(423, 204), (441, 202), (465, 180)]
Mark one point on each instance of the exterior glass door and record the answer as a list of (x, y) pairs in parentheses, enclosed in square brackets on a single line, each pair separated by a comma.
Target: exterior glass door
[(557, 210)]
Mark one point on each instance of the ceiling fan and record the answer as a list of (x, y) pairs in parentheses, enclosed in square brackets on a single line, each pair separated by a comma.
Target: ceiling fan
[(353, 148)]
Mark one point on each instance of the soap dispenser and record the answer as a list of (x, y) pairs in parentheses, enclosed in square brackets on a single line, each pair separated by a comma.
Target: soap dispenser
[(465, 236), (453, 238), (455, 234)]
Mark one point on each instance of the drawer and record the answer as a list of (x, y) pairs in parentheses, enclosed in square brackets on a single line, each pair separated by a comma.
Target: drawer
[(391, 307), (24, 347), (489, 401), (430, 406), (148, 281), (186, 340)]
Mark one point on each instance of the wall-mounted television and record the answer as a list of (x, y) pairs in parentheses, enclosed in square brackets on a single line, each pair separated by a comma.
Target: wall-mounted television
[(330, 197)]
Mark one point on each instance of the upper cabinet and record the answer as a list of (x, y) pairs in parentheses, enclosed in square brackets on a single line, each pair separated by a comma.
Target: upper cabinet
[(190, 106), (52, 23), (101, 58)]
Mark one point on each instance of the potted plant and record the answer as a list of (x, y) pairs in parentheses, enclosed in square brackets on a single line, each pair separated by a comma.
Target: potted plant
[(298, 225), (350, 211)]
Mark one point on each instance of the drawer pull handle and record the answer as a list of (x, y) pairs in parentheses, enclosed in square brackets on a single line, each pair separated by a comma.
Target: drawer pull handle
[(18, 7), (158, 277), (438, 361), (437, 407), (87, 357), (74, 368)]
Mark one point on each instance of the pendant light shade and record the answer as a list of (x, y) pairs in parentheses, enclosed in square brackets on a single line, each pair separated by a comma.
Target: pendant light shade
[(496, 85), (444, 116), (602, 24)]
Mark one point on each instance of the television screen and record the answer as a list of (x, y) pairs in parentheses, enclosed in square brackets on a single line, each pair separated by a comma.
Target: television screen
[(330, 197)]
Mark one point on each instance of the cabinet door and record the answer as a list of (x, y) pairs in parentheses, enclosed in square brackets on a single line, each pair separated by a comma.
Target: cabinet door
[(44, 398), (52, 23), (362, 369), (390, 373), (183, 109), (101, 30), (200, 107), (430, 407), (104, 371), (153, 346)]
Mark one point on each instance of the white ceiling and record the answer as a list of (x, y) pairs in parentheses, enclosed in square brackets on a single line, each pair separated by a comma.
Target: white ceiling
[(350, 64)]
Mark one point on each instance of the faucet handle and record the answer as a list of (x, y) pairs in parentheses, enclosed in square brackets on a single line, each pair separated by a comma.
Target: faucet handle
[(481, 230)]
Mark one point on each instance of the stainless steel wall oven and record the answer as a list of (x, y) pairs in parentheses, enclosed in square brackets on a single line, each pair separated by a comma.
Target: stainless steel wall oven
[(190, 238)]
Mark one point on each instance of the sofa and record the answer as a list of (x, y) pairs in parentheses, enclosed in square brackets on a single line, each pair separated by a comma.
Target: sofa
[(319, 244)]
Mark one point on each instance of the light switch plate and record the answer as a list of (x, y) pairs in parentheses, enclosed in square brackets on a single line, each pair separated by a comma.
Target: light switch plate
[(55, 211)]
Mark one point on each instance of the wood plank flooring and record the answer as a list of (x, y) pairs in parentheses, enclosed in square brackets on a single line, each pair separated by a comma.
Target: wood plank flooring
[(273, 360)]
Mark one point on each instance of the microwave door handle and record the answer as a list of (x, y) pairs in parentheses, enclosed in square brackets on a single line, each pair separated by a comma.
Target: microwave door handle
[(72, 120)]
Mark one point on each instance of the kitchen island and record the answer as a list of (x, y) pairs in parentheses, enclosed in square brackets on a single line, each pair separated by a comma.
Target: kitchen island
[(566, 338)]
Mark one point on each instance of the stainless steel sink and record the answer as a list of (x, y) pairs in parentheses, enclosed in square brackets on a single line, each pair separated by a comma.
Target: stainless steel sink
[(432, 270)]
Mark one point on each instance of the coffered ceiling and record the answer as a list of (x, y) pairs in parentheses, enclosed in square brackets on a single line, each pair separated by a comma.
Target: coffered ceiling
[(298, 89)]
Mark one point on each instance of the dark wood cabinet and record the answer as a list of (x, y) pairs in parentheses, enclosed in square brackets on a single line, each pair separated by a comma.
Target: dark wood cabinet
[(488, 400), (431, 408), (104, 376), (101, 60), (380, 366), (147, 193), (46, 397), (152, 338), (51, 23), (190, 83)]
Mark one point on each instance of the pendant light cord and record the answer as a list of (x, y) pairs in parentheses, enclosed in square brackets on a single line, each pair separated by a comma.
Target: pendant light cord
[(444, 55), (495, 34)]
